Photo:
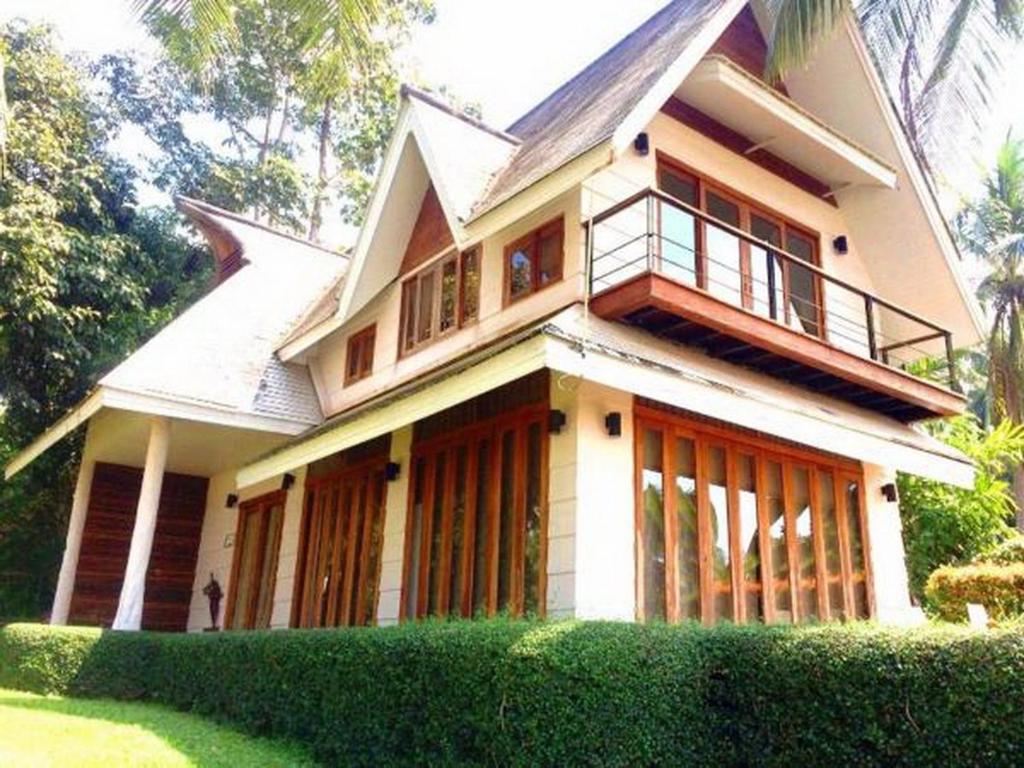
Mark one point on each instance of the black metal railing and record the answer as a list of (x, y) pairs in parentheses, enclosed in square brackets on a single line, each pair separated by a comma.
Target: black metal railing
[(655, 232)]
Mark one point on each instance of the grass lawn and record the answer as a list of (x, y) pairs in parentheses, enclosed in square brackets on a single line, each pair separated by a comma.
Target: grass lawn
[(43, 731)]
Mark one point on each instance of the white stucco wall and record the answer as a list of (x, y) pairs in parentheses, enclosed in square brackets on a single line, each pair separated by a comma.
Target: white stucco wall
[(389, 599), (216, 546)]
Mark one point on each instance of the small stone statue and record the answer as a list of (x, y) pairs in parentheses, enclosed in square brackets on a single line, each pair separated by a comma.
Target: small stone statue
[(214, 594)]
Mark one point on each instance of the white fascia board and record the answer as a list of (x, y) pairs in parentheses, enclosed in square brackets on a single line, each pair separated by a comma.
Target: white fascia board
[(645, 110), (541, 192), (64, 427), (503, 367), (744, 410), (117, 399), (924, 194), (294, 349), (719, 70), (375, 210)]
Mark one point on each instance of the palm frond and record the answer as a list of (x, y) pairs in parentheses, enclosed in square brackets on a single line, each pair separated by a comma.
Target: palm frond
[(210, 23), (797, 27)]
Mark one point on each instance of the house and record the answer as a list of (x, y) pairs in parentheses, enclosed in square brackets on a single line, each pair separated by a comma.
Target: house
[(654, 351)]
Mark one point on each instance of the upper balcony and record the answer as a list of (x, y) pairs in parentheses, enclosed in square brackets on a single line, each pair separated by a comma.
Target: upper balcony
[(758, 299)]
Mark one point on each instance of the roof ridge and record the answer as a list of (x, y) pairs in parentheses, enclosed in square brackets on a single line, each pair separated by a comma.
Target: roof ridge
[(439, 103), (214, 210)]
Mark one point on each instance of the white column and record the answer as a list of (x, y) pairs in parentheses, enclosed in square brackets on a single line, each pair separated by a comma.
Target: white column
[(888, 559), (129, 607), (73, 543), (389, 601)]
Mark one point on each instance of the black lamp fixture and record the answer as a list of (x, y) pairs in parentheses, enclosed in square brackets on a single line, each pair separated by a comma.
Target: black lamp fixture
[(231, 500), (840, 245), (392, 470), (613, 424), (890, 493), (556, 420), (287, 481), (642, 144)]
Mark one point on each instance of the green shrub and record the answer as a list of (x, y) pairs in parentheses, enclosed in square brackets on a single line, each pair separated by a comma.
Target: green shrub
[(1000, 588), (1005, 553), (569, 693)]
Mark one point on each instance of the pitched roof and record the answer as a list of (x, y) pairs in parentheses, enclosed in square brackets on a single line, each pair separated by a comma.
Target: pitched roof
[(220, 352), (588, 108)]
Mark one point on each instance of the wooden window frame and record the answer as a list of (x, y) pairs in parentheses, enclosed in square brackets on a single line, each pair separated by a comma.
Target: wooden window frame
[(748, 207), (409, 327), (472, 437), (354, 521), (258, 505), (530, 243), (763, 451), (360, 347)]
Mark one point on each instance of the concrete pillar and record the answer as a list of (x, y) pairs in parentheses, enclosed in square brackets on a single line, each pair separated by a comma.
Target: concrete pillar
[(888, 558), (605, 559), (129, 607), (397, 504), (73, 543)]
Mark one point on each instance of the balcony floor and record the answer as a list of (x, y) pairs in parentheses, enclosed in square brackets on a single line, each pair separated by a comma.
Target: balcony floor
[(693, 317)]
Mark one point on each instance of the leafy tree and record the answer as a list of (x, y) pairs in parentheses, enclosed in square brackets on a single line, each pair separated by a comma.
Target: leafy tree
[(992, 228), (84, 277), (944, 525)]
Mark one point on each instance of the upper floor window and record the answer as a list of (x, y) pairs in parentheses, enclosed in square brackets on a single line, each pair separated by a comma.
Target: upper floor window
[(441, 298), (359, 356), (715, 259), (534, 260)]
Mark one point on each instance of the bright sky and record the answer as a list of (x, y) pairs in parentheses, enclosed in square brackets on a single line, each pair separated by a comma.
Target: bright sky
[(492, 52)]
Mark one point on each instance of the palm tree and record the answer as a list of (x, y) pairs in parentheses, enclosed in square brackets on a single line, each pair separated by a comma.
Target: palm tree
[(992, 228), (941, 56), (343, 26)]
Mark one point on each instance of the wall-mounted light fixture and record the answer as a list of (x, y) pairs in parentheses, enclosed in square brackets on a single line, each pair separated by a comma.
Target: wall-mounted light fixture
[(613, 424), (287, 481), (840, 245), (890, 492), (231, 500), (642, 144), (392, 470), (556, 420)]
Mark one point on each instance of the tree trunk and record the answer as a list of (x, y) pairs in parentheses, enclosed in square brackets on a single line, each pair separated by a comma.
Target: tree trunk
[(320, 194), (1018, 495)]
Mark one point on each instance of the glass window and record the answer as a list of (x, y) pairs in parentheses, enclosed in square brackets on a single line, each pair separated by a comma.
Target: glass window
[(436, 572), (653, 500), (687, 552), (852, 501), (534, 260), (449, 295), (718, 497), (678, 228), (424, 322), (533, 555), (359, 354), (456, 570), (470, 285), (830, 530), (766, 276), (750, 545), (255, 572), (802, 285), (484, 482), (520, 273), (778, 535), (808, 583), (724, 273)]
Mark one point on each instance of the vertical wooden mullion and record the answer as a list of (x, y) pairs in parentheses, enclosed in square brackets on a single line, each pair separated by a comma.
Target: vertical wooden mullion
[(407, 549), (704, 536), (818, 539), (733, 515), (746, 275), (792, 547), (337, 556), (368, 517), (469, 528), (517, 550), (765, 539), (236, 567), (326, 530), (639, 429), (494, 525), (299, 574), (312, 557), (447, 520), (257, 566), (349, 573), (426, 535), (671, 525), (845, 556)]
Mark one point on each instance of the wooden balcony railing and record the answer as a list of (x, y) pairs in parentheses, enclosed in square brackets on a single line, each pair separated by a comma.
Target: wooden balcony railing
[(654, 233)]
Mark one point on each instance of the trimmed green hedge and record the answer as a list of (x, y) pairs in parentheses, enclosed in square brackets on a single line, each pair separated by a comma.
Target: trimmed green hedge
[(1000, 588), (569, 693)]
